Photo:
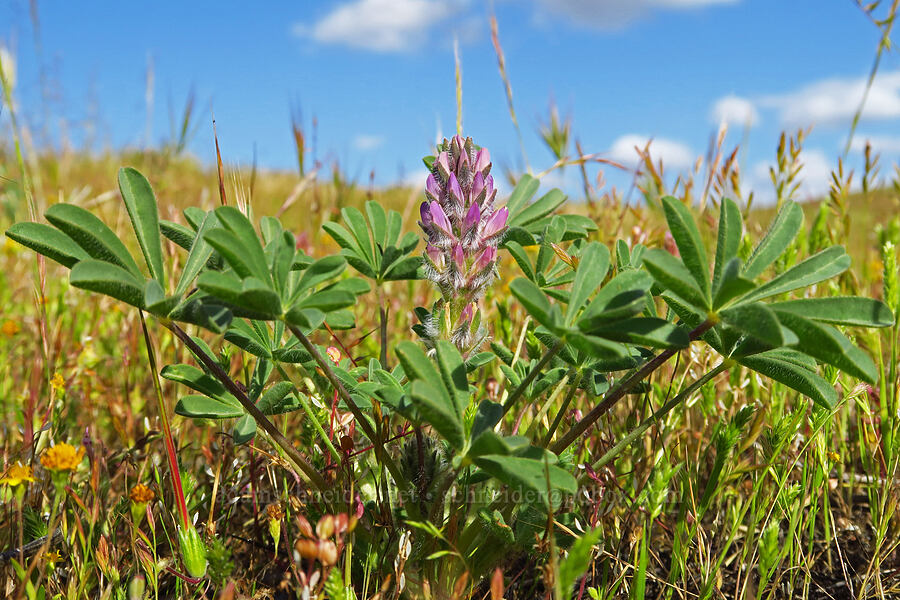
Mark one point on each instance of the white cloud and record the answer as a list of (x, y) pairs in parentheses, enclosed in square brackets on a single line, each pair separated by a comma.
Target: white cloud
[(734, 110), (379, 25), (834, 101), (674, 155), (365, 142), (615, 14)]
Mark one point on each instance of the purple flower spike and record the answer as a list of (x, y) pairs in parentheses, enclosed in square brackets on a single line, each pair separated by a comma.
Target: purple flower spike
[(496, 223), (483, 162), (432, 187), (456, 193), (425, 215), (440, 218), (472, 217), (443, 165), (462, 230)]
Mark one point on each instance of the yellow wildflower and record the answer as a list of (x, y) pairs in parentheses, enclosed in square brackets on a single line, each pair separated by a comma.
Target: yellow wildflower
[(58, 383), (52, 557), (141, 494), (62, 457), (16, 475), (10, 328)]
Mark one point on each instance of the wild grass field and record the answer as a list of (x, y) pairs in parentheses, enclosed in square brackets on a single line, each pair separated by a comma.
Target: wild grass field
[(705, 471)]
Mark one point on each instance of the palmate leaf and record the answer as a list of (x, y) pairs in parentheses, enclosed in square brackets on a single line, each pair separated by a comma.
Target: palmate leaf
[(249, 339), (245, 251), (439, 393), (377, 251), (758, 320), (646, 331), (244, 430), (198, 255), (525, 189), (528, 474), (731, 284), (279, 399), (204, 407), (623, 296), (177, 233), (540, 208)]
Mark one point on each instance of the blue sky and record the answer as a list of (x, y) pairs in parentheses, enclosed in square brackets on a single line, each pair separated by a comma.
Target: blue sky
[(378, 76)]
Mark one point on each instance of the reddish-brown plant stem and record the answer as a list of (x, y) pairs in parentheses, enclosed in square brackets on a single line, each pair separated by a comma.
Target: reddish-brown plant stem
[(167, 431), (623, 388), (314, 476)]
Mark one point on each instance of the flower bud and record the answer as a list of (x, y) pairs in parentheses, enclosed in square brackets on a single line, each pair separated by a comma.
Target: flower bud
[(483, 162), (459, 258), (442, 164), (436, 257), (486, 258), (307, 548), (328, 554), (472, 218), (193, 551), (456, 193), (432, 188), (495, 223), (440, 219), (325, 527)]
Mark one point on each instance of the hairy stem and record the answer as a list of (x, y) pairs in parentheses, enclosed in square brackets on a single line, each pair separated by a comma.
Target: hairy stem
[(613, 396), (314, 476)]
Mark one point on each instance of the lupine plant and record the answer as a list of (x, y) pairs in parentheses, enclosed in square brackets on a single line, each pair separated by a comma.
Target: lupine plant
[(493, 465)]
